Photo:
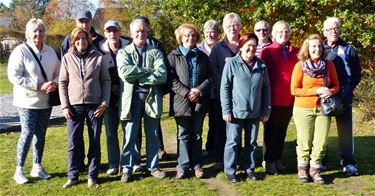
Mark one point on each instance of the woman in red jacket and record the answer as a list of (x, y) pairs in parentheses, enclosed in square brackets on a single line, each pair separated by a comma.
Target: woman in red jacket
[(280, 58)]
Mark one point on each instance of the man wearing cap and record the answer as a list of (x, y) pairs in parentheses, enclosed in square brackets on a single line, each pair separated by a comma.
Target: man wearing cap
[(84, 20), (262, 31), (109, 47), (142, 71)]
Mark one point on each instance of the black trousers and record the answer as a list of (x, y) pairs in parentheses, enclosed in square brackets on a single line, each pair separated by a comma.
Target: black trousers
[(275, 132)]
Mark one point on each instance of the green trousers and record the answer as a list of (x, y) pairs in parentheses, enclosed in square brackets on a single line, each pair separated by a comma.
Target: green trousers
[(312, 133)]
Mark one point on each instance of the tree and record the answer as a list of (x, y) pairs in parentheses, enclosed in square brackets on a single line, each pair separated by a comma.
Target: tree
[(66, 9), (306, 17)]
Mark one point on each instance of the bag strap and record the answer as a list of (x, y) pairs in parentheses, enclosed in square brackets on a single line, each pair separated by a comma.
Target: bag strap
[(325, 77), (39, 63)]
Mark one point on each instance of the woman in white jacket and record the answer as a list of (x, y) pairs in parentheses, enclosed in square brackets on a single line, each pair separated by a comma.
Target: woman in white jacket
[(30, 95)]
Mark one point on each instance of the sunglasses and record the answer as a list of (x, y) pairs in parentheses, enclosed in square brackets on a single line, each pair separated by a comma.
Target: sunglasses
[(258, 30)]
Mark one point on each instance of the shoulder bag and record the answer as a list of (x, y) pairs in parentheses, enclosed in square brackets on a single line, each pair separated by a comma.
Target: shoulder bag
[(331, 106)]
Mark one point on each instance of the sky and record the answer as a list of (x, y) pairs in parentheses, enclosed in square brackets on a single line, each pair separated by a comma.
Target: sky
[(7, 2)]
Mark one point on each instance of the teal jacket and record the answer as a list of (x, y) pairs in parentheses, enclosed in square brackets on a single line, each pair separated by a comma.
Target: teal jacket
[(154, 74), (244, 93)]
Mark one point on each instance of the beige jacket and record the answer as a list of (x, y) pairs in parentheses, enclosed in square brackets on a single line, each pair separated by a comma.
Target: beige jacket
[(94, 88)]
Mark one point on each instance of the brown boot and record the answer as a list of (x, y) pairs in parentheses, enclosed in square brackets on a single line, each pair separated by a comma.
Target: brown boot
[(316, 175), (303, 174)]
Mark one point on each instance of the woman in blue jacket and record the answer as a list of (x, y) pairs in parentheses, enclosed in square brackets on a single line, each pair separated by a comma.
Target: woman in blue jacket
[(245, 100)]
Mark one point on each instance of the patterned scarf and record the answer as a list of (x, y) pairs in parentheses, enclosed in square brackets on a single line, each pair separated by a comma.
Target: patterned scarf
[(314, 69), (82, 60)]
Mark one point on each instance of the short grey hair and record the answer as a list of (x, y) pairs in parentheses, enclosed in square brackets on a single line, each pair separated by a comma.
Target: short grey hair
[(232, 16), (278, 24), (331, 20), (32, 24), (212, 24), (137, 20), (263, 22)]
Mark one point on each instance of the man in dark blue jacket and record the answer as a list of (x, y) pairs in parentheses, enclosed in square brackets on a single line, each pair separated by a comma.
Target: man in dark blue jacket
[(348, 70), (84, 20)]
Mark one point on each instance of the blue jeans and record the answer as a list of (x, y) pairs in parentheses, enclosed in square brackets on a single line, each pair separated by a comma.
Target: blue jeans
[(345, 127), (34, 123), (111, 121), (75, 136), (234, 130), (130, 152), (190, 141)]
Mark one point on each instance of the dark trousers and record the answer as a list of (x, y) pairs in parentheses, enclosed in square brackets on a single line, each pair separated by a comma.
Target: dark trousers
[(220, 131), (189, 137), (345, 127), (275, 132), (210, 142), (75, 138)]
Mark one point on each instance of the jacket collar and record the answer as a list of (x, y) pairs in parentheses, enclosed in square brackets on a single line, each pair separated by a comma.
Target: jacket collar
[(105, 48), (340, 42), (257, 65)]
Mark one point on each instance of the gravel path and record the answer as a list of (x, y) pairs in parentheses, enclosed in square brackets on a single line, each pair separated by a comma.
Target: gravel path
[(9, 120)]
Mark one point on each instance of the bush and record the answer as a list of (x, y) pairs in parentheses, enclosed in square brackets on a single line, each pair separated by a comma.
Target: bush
[(364, 97)]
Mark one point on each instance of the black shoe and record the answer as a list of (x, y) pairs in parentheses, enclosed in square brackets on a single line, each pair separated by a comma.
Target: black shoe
[(252, 176), (162, 155), (232, 178)]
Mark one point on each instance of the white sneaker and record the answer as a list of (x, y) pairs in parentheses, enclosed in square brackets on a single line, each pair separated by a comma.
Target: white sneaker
[(112, 171), (137, 168), (38, 171), (20, 178)]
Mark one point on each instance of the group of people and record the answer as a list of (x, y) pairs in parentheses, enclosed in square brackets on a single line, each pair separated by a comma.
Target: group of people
[(239, 81)]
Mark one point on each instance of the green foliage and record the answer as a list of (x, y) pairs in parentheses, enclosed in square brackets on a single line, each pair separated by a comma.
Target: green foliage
[(306, 17), (364, 97), (5, 85)]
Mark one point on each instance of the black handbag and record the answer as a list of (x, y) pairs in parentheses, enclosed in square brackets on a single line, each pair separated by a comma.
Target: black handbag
[(54, 97), (331, 106)]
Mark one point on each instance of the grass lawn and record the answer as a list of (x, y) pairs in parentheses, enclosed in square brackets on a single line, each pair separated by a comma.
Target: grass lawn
[(55, 161), (5, 85)]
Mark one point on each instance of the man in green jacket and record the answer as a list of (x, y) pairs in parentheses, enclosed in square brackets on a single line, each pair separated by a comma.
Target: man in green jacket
[(142, 70)]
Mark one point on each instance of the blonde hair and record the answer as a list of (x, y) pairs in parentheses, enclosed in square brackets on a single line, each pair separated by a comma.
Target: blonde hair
[(304, 54), (232, 16), (279, 24), (74, 36), (31, 25), (186, 26)]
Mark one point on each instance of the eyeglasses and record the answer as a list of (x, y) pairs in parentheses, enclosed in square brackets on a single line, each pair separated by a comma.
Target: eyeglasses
[(258, 30), (336, 29), (283, 32), (234, 26)]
